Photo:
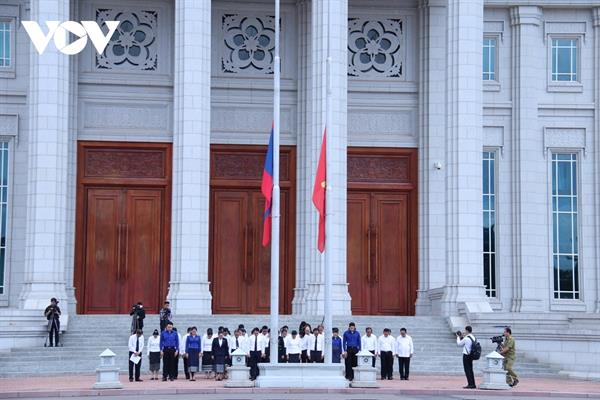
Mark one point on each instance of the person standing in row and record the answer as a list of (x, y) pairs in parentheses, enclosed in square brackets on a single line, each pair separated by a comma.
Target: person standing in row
[(336, 346), (153, 353), (207, 356), (305, 338), (183, 352), (266, 338), (136, 345), (165, 316), (169, 350), (405, 350), (386, 345), (238, 342), (293, 349), (369, 343), (193, 347), (256, 353), (281, 344), (351, 344), (220, 353), (316, 344)]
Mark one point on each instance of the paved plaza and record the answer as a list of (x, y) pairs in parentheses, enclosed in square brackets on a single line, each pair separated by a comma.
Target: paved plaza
[(419, 387)]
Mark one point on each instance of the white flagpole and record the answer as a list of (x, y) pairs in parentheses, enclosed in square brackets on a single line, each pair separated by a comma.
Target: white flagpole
[(274, 336), (328, 195)]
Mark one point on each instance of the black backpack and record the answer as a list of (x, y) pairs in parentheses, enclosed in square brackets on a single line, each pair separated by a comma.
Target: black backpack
[(475, 349)]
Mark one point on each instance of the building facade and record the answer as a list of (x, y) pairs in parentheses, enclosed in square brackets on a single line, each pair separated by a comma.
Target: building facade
[(466, 158)]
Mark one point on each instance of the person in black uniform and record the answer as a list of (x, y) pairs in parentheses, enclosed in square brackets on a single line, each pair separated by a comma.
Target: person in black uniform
[(52, 314), (281, 342)]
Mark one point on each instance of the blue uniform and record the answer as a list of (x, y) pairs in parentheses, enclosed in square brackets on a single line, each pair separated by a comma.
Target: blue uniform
[(351, 339), (336, 349), (169, 340)]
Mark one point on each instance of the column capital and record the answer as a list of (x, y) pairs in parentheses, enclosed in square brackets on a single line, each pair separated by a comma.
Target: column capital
[(526, 15), (596, 17)]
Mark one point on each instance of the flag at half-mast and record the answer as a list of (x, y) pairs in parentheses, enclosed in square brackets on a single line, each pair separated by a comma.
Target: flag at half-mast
[(266, 188), (318, 196)]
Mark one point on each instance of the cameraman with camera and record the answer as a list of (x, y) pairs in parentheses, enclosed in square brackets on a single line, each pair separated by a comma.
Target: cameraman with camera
[(467, 341), (52, 314), (138, 314), (509, 352)]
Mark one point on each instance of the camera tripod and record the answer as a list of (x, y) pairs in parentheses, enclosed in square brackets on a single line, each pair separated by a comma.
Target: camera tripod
[(53, 324)]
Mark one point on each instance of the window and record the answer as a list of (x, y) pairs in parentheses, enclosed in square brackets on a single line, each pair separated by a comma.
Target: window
[(489, 222), (565, 242), (3, 212), (489, 58), (5, 44), (564, 60)]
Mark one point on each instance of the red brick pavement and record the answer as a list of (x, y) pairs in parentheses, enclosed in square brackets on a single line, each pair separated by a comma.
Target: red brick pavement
[(81, 385)]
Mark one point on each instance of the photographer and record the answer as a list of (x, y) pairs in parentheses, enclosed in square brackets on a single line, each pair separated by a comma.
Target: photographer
[(467, 340), (509, 353), (52, 314), (165, 316), (138, 314)]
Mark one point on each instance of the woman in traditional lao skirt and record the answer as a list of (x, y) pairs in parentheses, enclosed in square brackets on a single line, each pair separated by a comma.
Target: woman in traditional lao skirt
[(192, 352), (153, 352), (220, 353), (207, 356)]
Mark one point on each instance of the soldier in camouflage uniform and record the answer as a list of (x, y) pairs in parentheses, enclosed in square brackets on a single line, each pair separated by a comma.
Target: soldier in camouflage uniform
[(509, 353)]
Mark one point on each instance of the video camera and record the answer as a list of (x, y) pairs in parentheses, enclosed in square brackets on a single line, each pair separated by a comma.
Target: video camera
[(498, 340)]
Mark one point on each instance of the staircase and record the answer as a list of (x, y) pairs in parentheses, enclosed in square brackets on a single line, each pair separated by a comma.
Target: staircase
[(436, 352)]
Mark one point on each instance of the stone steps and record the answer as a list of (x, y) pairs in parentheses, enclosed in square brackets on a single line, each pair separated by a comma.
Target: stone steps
[(87, 336)]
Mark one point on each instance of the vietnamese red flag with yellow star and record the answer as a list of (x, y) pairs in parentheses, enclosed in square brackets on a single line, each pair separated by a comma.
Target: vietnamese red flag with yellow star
[(318, 197)]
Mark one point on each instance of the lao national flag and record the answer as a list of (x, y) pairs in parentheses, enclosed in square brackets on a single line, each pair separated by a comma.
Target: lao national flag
[(318, 197), (267, 190)]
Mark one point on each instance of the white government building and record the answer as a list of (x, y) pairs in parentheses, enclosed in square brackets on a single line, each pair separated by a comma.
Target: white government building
[(466, 163)]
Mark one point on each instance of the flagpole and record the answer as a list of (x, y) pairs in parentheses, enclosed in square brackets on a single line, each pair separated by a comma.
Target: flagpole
[(274, 336), (328, 195)]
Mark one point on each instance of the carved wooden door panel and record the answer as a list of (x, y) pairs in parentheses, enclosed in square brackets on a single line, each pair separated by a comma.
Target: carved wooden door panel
[(122, 246), (382, 230), (239, 266)]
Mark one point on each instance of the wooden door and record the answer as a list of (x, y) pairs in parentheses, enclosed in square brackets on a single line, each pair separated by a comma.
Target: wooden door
[(123, 226), (102, 254), (239, 266), (382, 231)]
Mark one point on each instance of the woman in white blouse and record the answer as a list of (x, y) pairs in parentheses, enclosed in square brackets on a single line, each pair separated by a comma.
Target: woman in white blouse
[(153, 353), (293, 348)]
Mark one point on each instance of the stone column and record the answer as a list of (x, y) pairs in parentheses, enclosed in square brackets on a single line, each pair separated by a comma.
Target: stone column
[(48, 146), (464, 273), (313, 261), (306, 161), (596, 22), (189, 287), (432, 149), (529, 191)]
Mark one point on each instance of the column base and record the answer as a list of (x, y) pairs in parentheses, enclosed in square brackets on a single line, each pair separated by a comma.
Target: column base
[(299, 301), (37, 295), (462, 299), (190, 298), (315, 303)]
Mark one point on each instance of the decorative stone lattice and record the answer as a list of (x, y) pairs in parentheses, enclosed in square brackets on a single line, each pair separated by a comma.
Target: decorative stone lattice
[(134, 45), (375, 48), (249, 43)]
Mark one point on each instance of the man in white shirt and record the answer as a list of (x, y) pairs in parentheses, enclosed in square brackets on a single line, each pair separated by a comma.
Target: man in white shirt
[(136, 345), (293, 348), (369, 342), (316, 343), (238, 341), (466, 341), (404, 351), (256, 353), (387, 348)]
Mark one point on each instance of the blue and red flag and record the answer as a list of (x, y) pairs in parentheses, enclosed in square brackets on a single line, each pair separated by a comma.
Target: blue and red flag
[(266, 188)]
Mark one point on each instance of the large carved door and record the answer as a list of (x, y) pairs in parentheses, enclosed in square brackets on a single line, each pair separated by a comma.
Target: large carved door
[(123, 215), (382, 231), (240, 267)]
